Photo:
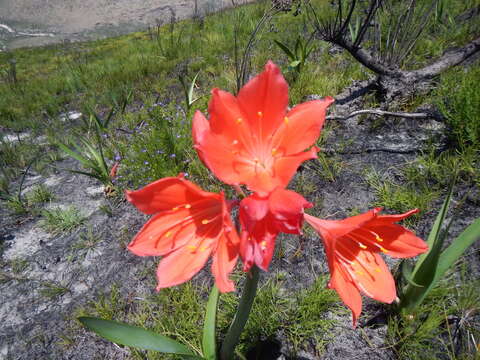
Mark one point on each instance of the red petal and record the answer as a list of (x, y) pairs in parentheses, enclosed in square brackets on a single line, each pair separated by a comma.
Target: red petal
[(370, 274), (303, 126), (286, 207), (286, 167), (347, 292), (335, 229), (267, 94), (180, 266), (224, 260), (167, 231), (165, 194), (398, 241)]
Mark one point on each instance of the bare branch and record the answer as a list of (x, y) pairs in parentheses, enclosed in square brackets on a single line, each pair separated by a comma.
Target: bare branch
[(379, 112), (449, 59)]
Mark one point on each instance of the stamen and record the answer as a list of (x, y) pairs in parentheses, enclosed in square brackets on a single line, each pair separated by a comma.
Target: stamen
[(203, 248), (168, 234), (175, 208), (205, 221), (188, 206), (274, 150), (385, 251), (235, 142), (378, 238), (358, 272), (378, 270), (191, 247), (239, 120), (361, 246), (260, 114), (263, 245), (285, 119)]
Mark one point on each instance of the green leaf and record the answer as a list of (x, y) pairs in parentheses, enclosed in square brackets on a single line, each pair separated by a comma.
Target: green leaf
[(133, 336), (406, 270), (436, 229), (286, 50), (208, 341), (190, 90), (458, 247), (294, 64)]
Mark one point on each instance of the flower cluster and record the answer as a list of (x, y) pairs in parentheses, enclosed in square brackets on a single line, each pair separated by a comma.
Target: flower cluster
[(251, 140)]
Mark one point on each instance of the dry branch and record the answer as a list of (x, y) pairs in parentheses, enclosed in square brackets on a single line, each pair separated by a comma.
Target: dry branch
[(379, 112)]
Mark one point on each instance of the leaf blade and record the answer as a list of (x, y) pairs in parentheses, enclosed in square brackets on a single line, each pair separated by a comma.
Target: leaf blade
[(133, 336), (208, 340)]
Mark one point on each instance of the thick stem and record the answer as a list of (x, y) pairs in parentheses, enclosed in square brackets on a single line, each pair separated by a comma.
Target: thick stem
[(244, 306)]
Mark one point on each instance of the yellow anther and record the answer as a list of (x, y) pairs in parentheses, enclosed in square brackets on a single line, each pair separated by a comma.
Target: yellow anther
[(378, 238), (378, 269), (168, 234), (263, 245), (203, 248), (383, 250), (362, 246), (260, 114), (175, 208), (285, 119), (274, 150), (188, 206), (361, 273), (239, 120), (235, 142), (205, 221), (191, 247)]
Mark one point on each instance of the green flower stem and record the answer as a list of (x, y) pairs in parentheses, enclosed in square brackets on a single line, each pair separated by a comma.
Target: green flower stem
[(245, 305)]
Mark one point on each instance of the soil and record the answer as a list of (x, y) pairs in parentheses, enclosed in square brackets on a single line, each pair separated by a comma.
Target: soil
[(41, 22)]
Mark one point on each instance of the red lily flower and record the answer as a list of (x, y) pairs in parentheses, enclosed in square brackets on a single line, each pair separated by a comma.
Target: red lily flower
[(352, 247), (251, 139), (189, 225), (262, 218)]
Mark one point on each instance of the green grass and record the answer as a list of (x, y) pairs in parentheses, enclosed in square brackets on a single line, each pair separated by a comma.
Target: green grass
[(38, 195), (401, 196), (58, 220), (458, 99), (442, 327), (52, 290)]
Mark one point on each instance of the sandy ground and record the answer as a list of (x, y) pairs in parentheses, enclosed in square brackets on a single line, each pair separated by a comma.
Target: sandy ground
[(38, 22)]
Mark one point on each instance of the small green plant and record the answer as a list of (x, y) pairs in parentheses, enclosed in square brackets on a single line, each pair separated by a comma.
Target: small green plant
[(16, 205), (51, 290), (58, 220), (18, 265), (298, 54), (38, 195), (88, 240), (92, 158), (188, 90)]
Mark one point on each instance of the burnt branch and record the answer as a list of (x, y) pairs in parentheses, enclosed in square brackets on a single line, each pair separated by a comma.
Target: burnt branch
[(449, 59)]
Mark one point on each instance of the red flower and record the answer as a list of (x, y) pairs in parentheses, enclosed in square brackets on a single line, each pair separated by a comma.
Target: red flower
[(262, 218), (352, 245), (188, 226), (251, 139)]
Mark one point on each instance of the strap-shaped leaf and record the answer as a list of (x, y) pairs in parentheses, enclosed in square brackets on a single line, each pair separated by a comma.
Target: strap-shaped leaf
[(451, 254), (433, 237), (133, 336), (208, 341), (286, 50)]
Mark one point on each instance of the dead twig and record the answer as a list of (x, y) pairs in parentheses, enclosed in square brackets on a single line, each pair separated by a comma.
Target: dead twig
[(379, 112)]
